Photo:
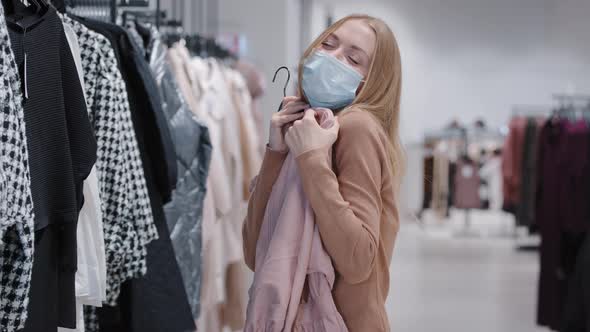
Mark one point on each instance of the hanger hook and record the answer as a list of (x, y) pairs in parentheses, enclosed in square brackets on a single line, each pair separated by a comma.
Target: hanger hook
[(288, 78)]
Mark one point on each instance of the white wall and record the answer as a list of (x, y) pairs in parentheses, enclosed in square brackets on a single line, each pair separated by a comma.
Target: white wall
[(467, 59), (272, 30)]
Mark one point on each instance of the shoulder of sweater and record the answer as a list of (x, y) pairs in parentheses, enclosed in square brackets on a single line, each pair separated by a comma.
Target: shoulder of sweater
[(357, 120), (360, 132), (360, 126)]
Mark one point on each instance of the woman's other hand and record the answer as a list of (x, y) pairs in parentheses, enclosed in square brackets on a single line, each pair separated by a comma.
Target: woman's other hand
[(306, 134), (292, 110)]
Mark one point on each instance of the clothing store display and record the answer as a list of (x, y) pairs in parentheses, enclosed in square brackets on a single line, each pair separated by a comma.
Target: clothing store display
[(91, 271), (60, 157), (328, 82), (367, 215), (467, 184), (57, 174), (193, 148), (161, 287), (210, 86), (561, 211), (110, 218), (122, 183), (289, 256)]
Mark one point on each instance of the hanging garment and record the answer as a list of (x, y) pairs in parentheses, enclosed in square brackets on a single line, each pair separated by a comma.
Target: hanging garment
[(561, 213), (91, 227), (257, 86), (217, 199), (491, 171), (16, 202), (143, 96), (440, 183), (126, 209), (290, 258), (65, 152), (249, 136), (60, 157), (576, 182), (525, 211), (217, 83), (577, 305), (512, 164), (193, 147), (427, 182), (223, 242), (467, 184), (160, 292), (549, 303), (90, 279)]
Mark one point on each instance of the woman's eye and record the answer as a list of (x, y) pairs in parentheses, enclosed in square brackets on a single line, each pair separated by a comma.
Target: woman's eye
[(327, 44), (353, 60)]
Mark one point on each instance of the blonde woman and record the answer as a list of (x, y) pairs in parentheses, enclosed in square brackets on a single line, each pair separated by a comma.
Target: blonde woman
[(354, 69)]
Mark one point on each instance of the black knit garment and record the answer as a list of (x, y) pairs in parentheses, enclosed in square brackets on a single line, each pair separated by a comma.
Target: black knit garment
[(62, 148), (62, 151)]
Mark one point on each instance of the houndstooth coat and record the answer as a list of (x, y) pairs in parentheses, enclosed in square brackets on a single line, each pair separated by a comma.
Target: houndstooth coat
[(128, 220)]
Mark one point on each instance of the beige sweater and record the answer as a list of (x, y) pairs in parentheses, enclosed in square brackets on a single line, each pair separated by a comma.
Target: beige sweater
[(355, 212)]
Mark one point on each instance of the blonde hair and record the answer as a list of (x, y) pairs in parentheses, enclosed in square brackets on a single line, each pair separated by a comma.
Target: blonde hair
[(380, 94)]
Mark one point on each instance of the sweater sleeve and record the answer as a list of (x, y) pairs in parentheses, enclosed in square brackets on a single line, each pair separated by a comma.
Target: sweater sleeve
[(269, 171), (348, 206)]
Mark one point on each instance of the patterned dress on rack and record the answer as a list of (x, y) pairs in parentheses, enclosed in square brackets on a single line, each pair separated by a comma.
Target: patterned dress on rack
[(128, 220)]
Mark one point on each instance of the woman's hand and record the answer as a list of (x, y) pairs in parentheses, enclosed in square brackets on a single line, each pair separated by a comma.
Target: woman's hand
[(293, 108), (306, 134)]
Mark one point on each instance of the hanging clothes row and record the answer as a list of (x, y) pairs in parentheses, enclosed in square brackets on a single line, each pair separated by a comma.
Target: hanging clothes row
[(220, 96), (519, 161), (462, 169), (562, 215), (132, 199)]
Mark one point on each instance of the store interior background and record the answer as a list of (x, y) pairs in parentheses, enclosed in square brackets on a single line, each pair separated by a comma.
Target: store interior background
[(462, 60)]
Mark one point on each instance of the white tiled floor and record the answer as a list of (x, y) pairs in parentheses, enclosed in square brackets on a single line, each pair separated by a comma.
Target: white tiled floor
[(447, 284)]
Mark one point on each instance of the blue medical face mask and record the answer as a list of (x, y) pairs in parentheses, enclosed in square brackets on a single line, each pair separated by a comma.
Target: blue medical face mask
[(329, 83)]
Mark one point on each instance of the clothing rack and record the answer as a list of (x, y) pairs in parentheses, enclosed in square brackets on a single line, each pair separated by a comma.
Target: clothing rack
[(462, 137), (144, 16), (103, 10), (531, 110), (172, 31)]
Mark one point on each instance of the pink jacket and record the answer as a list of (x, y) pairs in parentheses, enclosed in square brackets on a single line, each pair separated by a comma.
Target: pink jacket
[(289, 253)]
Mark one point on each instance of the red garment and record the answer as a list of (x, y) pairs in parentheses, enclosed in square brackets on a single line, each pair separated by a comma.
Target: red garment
[(512, 162)]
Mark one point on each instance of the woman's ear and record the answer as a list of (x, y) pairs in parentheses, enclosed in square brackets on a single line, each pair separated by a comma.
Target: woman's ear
[(361, 85)]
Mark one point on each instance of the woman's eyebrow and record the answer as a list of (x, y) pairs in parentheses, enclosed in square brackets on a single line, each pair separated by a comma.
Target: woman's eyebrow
[(354, 47), (333, 35)]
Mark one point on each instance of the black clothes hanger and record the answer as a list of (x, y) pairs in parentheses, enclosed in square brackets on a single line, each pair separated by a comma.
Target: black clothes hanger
[(23, 15), (286, 83)]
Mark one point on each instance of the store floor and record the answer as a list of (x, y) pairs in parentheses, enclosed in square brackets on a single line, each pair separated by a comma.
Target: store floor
[(443, 283)]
